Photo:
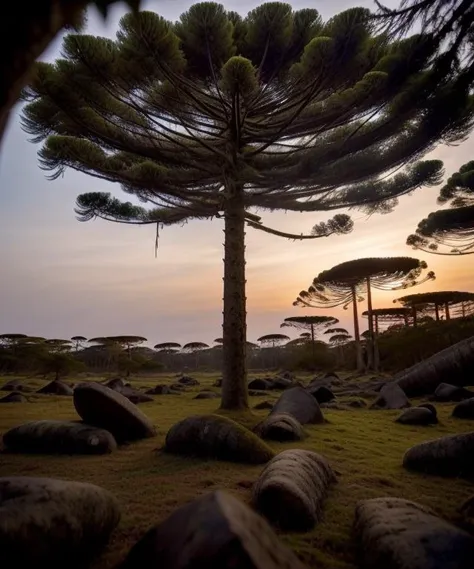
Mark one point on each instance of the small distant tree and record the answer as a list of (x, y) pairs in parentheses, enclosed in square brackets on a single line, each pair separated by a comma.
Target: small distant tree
[(216, 115), (342, 331), (312, 323), (344, 283), (60, 364), (389, 316), (431, 303), (195, 348), (58, 346), (452, 229), (78, 342), (272, 340), (167, 347)]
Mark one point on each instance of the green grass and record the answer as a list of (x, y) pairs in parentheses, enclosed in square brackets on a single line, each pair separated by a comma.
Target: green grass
[(364, 447)]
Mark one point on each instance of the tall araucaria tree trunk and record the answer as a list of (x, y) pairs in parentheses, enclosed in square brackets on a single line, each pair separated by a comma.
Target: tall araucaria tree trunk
[(360, 362), (234, 383)]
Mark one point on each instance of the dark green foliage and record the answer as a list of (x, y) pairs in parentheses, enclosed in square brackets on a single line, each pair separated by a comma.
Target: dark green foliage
[(452, 229)]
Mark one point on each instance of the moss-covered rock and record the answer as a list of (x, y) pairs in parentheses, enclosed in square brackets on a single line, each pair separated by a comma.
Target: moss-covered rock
[(214, 531), (58, 437), (280, 427), (297, 402), (464, 409), (53, 523), (13, 397), (394, 533), (56, 388), (291, 489), (213, 436), (417, 416)]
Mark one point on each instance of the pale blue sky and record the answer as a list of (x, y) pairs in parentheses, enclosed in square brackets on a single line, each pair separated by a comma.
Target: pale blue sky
[(61, 277)]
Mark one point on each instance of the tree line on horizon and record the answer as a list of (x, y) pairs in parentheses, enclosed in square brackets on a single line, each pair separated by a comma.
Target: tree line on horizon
[(216, 115)]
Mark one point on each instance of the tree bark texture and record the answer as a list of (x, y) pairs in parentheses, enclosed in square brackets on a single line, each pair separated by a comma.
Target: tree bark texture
[(234, 376), (360, 361)]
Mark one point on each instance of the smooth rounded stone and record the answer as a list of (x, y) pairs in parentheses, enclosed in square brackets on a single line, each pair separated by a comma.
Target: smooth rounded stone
[(56, 388), (464, 409), (13, 397), (391, 396), (58, 437), (417, 416), (178, 387), (136, 396), (103, 407), (280, 427), (302, 405), (447, 456), (216, 531), (190, 381), (281, 383), (206, 395), (467, 513), (431, 407), (394, 533), (12, 385), (53, 523), (115, 383), (291, 489), (322, 394), (356, 403), (447, 392), (213, 436), (260, 384), (264, 405), (162, 390)]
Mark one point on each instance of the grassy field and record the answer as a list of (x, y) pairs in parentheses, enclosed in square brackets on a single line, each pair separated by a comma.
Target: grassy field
[(364, 447)]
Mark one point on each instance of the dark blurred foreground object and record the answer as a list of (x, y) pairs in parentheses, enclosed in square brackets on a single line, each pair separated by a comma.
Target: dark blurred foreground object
[(27, 32)]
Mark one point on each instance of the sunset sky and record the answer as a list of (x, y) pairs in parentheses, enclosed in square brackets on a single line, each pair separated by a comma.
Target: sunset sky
[(62, 278)]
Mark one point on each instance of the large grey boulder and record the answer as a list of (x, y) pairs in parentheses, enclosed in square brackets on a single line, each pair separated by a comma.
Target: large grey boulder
[(280, 427), (449, 456), (464, 409), (13, 397), (291, 489), (215, 531), (213, 436), (448, 392), (53, 523), (394, 533), (56, 387), (391, 397), (58, 437), (417, 416), (105, 408), (162, 390), (302, 405), (321, 393), (260, 384)]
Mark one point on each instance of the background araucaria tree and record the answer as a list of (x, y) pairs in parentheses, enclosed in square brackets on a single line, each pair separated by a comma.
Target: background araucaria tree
[(312, 323), (216, 115)]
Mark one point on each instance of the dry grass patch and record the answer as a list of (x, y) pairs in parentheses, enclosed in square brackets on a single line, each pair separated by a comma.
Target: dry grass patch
[(364, 447)]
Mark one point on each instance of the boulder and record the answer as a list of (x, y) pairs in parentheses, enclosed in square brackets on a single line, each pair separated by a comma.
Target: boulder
[(178, 387), (206, 395), (136, 396), (13, 397), (280, 427), (356, 403), (213, 436), (56, 388), (115, 383), (322, 394), (281, 383), (448, 392), (264, 405), (391, 396), (58, 437), (449, 456), (467, 513), (260, 384), (12, 385), (302, 405), (214, 531), (394, 533), (291, 489), (464, 409), (103, 407), (53, 523), (189, 381), (417, 416), (162, 390), (431, 407)]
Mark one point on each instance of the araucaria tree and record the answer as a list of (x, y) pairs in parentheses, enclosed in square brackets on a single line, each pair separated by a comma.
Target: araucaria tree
[(453, 228), (312, 323), (215, 115), (344, 283), (437, 302)]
